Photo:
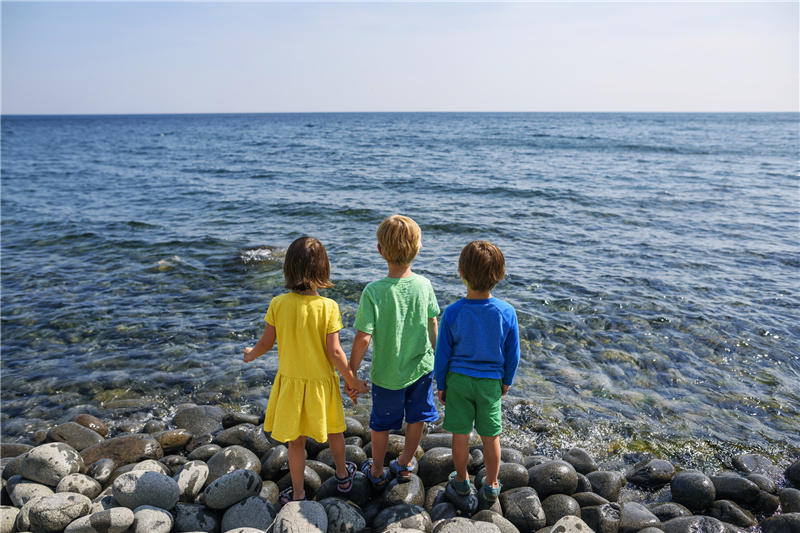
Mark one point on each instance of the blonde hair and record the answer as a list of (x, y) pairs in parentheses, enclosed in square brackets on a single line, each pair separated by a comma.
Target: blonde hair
[(482, 265), (400, 239), (306, 266)]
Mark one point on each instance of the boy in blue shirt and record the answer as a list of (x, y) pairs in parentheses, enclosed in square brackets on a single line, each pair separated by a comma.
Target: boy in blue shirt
[(477, 355)]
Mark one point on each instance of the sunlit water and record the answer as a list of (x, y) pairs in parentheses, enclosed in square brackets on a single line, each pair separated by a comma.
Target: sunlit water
[(652, 259)]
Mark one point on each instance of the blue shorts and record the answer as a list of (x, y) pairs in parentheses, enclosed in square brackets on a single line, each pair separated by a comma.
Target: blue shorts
[(415, 403)]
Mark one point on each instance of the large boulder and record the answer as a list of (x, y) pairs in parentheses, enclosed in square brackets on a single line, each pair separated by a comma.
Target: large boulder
[(48, 463)]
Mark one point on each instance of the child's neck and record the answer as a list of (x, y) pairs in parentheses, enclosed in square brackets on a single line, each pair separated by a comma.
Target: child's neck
[(478, 295), (309, 292), (399, 271)]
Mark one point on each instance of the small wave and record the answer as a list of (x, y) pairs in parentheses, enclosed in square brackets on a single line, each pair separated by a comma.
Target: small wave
[(261, 254)]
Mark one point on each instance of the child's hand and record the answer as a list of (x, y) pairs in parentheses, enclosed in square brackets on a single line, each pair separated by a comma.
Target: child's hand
[(351, 392), (247, 357), (442, 394), (504, 389), (362, 386)]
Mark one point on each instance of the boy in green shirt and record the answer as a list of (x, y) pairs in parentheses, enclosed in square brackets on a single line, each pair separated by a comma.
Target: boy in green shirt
[(398, 313)]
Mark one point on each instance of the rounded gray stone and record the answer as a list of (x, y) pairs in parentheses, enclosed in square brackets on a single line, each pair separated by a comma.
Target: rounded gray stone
[(80, 483), (669, 510), (435, 466), (553, 477), (232, 488), (49, 463), (693, 489), (116, 520), (52, 514), (199, 420), (101, 470), (190, 479), (523, 508), (76, 435), (229, 459), (196, 518), (694, 524), (276, 463), (254, 512), (511, 475), (465, 525), (580, 460), (411, 492), (792, 473), (570, 524), (403, 516), (302, 516), (607, 483), (557, 506), (142, 487), (8, 519), (735, 488), (149, 519), (443, 511), (790, 500), (343, 516), (730, 513), (204, 453), (651, 474), (635, 516), (22, 490), (496, 519), (785, 523)]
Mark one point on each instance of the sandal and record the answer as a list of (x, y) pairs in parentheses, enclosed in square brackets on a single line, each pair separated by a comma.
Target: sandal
[(348, 479), (463, 488), (490, 493), (402, 473), (377, 482), (287, 495)]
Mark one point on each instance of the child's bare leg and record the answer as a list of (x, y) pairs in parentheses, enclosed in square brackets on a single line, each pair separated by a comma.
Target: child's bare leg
[(491, 458), (413, 438), (337, 446), (297, 466), (380, 441), (460, 455)]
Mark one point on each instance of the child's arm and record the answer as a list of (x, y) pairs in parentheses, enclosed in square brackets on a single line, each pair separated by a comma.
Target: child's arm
[(433, 331), (264, 344), (339, 359), (359, 349)]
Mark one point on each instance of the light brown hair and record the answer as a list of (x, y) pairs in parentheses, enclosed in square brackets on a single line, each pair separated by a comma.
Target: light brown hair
[(482, 265), (306, 266), (400, 239)]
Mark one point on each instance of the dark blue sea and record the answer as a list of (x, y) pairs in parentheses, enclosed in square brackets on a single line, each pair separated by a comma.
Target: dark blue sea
[(653, 259)]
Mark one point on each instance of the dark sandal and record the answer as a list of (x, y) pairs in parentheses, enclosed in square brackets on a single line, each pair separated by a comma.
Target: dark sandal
[(348, 479), (377, 482), (287, 495), (402, 473)]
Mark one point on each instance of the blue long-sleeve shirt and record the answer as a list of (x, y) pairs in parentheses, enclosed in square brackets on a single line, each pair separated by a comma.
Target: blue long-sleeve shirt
[(478, 338)]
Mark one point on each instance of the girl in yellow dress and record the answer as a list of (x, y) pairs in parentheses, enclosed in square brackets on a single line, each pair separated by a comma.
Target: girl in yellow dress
[(305, 400)]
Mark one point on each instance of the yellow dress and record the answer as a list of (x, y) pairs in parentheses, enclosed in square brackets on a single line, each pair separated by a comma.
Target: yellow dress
[(305, 397)]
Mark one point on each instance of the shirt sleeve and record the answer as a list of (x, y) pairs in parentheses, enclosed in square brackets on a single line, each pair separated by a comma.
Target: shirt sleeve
[(270, 318), (511, 350), (433, 305), (365, 316), (444, 351), (334, 318)]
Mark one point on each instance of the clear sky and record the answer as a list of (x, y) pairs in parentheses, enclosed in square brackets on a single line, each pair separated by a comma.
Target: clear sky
[(217, 57)]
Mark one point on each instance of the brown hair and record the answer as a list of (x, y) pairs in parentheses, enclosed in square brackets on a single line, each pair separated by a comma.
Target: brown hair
[(482, 265), (400, 239), (306, 266)]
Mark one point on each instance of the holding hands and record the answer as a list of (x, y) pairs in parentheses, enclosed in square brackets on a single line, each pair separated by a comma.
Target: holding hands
[(359, 387)]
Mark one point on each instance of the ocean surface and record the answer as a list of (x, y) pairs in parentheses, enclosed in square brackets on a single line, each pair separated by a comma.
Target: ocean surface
[(653, 260)]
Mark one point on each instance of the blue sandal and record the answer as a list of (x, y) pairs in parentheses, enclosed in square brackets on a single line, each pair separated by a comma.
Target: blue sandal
[(287, 495), (348, 479), (490, 493), (377, 482), (463, 488), (402, 473)]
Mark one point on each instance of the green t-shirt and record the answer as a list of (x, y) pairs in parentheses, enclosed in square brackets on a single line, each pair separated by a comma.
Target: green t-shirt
[(395, 311)]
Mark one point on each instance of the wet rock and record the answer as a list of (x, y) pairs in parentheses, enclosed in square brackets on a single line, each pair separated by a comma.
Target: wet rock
[(753, 463), (234, 436), (466, 504), (270, 491), (394, 449), (763, 483), (523, 508), (124, 450), (49, 463), (465, 525), (305, 516), (360, 493), (143, 487), (173, 441), (790, 500), (324, 471), (149, 519), (497, 519), (553, 477), (580, 460), (354, 454), (434, 496), (651, 474), (116, 520), (74, 434), (276, 463), (152, 466), (584, 485), (311, 482), (529, 461), (557, 506), (793, 474), (11, 466), (511, 475), (154, 426), (22, 490), (589, 499), (411, 492), (607, 483), (173, 463), (199, 420), (254, 512), (436, 440), (356, 429), (669, 510), (693, 524), (93, 423), (510, 455), (693, 489), (8, 519), (52, 514), (23, 518), (735, 488), (230, 420), (229, 459), (436, 465), (191, 479), (602, 518), (81, 484), (9, 449), (257, 442), (767, 503), (404, 516), (101, 470), (727, 511), (232, 488), (204, 453), (635, 516), (785, 523), (343, 516), (442, 511), (192, 517)]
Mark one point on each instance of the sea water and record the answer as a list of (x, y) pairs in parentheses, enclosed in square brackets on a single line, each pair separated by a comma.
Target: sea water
[(652, 260)]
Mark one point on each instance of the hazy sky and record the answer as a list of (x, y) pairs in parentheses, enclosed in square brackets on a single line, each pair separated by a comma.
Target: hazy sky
[(204, 57)]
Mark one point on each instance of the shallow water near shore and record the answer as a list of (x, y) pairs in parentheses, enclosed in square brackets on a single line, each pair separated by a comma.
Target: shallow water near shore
[(652, 260)]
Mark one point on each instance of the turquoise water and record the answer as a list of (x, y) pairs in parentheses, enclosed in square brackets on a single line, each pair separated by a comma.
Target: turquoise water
[(652, 260)]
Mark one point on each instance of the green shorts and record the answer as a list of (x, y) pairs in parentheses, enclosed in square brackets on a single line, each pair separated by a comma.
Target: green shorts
[(471, 400)]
